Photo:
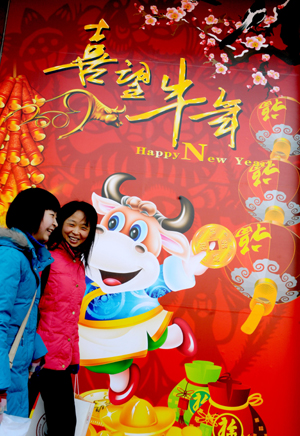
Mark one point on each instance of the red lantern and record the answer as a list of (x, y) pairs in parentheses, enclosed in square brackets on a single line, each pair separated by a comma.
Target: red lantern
[(269, 191), (275, 126), (265, 268)]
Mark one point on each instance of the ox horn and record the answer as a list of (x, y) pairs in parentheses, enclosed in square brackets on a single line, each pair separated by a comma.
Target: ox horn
[(183, 222), (119, 111), (111, 186)]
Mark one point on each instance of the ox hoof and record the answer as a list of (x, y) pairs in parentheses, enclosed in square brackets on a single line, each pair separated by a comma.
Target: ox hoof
[(189, 344), (118, 398)]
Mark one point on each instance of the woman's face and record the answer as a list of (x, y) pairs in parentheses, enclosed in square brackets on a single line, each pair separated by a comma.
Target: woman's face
[(75, 229), (48, 224)]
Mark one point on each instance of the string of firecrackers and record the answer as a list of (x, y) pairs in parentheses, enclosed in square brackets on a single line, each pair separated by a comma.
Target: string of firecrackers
[(211, 29), (20, 151), (22, 125)]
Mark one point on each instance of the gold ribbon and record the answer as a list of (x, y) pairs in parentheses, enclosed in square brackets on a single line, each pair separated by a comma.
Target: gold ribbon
[(255, 400)]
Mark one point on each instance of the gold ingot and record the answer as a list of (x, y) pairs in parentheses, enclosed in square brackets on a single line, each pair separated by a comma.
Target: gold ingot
[(174, 431), (274, 214), (224, 249), (91, 431), (13, 125), (281, 149), (15, 104), (261, 304), (138, 417), (28, 109), (191, 431), (142, 415)]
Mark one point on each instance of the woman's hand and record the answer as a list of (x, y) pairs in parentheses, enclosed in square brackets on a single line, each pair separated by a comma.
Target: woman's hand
[(74, 369), (34, 365)]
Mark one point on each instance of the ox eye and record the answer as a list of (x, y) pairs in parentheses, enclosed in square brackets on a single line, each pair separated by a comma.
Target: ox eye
[(116, 222), (138, 231)]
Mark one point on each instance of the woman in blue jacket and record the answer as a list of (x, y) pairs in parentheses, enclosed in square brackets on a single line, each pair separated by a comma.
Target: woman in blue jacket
[(30, 219)]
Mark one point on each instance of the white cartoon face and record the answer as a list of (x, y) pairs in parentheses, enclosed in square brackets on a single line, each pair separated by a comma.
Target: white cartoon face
[(120, 263)]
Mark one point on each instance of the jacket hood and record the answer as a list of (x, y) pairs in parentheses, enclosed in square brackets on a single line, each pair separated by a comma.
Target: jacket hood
[(16, 237)]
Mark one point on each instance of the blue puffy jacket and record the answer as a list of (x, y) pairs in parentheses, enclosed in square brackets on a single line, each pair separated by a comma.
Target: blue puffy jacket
[(20, 265)]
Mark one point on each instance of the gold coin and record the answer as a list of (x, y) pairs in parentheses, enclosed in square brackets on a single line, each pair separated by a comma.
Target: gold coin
[(224, 249)]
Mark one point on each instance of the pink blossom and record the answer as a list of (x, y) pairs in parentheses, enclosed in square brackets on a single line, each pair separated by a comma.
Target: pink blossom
[(216, 30), (260, 38), (150, 20), (265, 57), (253, 42), (226, 23), (181, 12), (220, 68), (214, 76), (173, 14), (248, 86), (154, 10), (211, 56), (259, 79), (188, 6), (269, 20), (211, 42), (141, 8), (276, 88), (273, 74), (229, 30), (224, 57), (202, 35), (238, 24), (254, 69), (202, 42), (211, 19)]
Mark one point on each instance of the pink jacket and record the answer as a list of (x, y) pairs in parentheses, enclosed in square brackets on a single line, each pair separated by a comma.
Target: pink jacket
[(60, 307)]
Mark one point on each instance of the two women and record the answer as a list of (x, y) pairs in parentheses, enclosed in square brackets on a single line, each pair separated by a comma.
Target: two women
[(70, 246), (31, 219)]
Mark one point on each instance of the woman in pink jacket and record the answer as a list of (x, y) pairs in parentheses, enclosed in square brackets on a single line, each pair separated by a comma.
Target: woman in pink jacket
[(70, 245)]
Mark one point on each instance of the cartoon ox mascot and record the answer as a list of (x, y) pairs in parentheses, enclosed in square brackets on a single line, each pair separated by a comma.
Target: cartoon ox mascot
[(121, 318)]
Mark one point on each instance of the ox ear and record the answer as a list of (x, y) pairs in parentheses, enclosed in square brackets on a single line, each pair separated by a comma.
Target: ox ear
[(103, 205), (175, 243)]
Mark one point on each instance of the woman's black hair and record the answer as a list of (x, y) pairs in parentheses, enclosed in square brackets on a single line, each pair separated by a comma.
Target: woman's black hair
[(26, 211), (91, 219)]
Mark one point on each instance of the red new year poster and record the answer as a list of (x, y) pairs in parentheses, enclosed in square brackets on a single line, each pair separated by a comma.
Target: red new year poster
[(179, 122)]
